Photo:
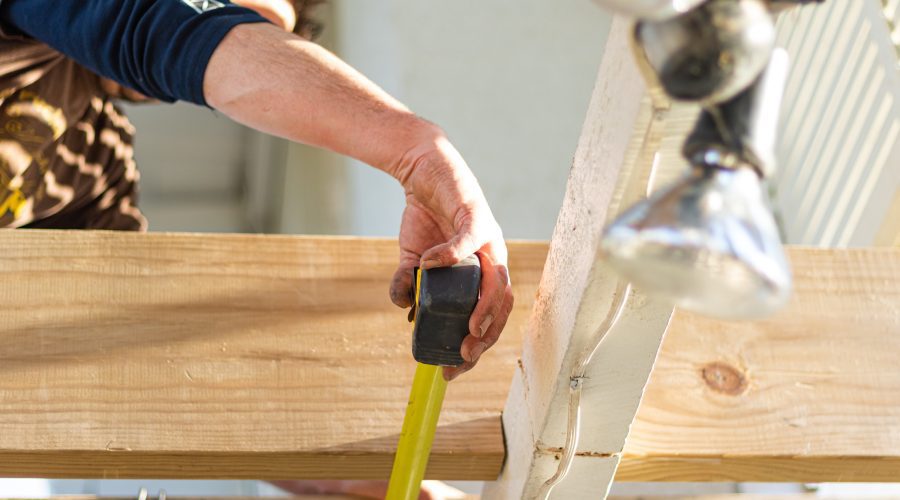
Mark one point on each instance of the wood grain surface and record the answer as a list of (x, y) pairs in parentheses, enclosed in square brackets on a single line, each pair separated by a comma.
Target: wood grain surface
[(203, 356), (811, 395), (271, 357)]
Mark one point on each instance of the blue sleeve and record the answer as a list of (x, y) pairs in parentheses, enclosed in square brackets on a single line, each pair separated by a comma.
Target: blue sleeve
[(158, 47)]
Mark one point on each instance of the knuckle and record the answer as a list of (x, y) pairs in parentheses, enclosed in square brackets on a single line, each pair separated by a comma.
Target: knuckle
[(508, 308), (498, 294), (463, 368)]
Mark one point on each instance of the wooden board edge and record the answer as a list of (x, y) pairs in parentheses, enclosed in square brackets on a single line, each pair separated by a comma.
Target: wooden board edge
[(788, 469), (224, 465)]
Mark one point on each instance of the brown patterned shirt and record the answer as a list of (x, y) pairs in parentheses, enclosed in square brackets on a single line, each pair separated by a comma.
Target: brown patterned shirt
[(66, 155)]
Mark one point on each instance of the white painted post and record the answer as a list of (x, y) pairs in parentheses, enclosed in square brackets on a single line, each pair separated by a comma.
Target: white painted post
[(575, 295)]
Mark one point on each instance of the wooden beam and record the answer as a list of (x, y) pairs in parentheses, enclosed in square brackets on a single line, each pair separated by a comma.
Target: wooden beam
[(209, 356), (185, 356), (575, 296), (811, 395)]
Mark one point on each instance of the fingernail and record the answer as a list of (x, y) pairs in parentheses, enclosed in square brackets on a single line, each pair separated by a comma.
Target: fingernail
[(485, 325), (430, 263), (476, 352)]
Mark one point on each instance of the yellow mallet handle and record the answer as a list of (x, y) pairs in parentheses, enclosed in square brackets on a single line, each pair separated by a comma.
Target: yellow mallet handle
[(422, 412)]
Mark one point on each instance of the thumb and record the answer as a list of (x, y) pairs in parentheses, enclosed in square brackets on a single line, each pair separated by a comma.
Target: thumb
[(460, 246), (402, 282)]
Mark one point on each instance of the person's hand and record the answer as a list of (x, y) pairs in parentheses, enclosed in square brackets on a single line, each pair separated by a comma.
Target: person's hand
[(447, 219), (304, 93)]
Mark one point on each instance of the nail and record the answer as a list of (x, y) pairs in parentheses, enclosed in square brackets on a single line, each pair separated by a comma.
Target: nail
[(485, 325), (431, 263), (475, 352)]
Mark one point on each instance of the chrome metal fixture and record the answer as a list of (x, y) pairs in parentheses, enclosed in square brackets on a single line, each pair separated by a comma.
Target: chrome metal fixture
[(709, 242)]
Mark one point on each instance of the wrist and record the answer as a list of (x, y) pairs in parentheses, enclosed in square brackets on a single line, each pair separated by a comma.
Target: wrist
[(424, 144)]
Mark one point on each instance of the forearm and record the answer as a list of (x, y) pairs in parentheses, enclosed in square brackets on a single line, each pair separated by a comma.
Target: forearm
[(284, 85)]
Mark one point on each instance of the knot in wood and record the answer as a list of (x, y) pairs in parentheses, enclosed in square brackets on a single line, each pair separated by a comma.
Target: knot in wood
[(724, 378)]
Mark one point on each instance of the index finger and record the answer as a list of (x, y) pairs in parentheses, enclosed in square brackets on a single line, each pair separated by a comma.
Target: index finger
[(494, 282), (473, 347)]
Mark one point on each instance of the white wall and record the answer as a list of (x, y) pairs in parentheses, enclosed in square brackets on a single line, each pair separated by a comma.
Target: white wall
[(509, 80)]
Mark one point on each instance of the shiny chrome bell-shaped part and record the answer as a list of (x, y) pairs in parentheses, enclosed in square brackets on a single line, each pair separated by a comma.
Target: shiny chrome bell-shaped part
[(712, 53), (709, 243)]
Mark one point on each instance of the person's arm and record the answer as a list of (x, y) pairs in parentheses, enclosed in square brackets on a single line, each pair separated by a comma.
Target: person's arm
[(279, 83), (233, 60), (159, 48)]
